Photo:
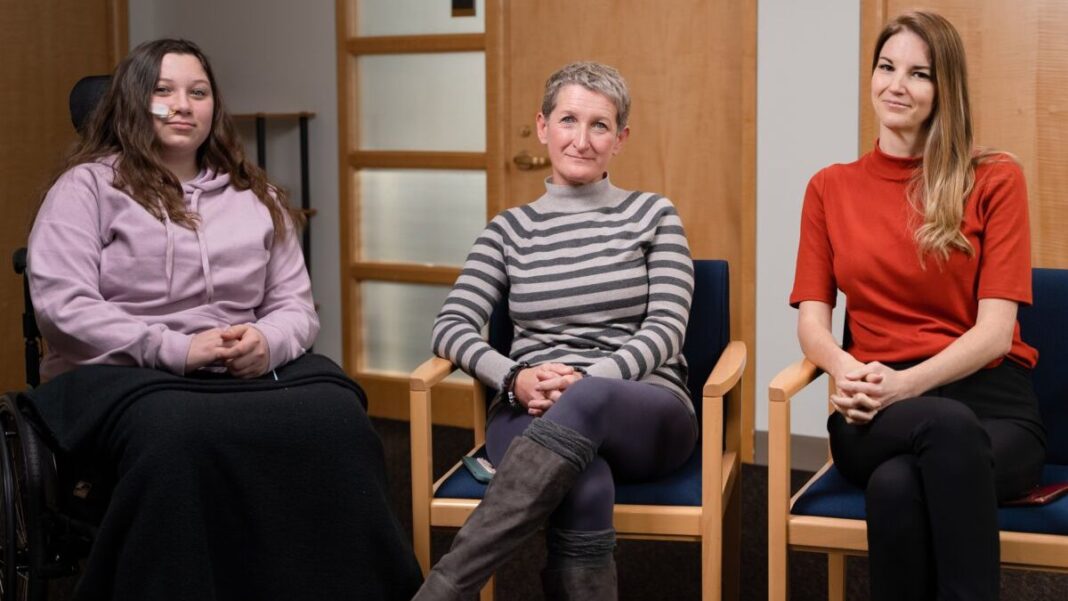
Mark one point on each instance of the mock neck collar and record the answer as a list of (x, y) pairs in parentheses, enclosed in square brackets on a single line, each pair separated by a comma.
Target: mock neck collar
[(562, 198), (898, 169)]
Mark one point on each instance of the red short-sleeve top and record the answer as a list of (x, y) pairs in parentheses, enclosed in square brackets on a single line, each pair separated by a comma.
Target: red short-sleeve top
[(857, 235)]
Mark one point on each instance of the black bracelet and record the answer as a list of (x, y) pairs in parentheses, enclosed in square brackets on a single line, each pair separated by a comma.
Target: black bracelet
[(508, 386)]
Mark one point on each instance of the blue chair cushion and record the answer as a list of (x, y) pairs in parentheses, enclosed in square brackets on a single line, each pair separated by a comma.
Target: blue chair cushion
[(682, 487), (461, 484), (833, 496)]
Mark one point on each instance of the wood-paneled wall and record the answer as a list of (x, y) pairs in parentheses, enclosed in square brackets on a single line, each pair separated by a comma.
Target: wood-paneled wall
[(1018, 79), (48, 45)]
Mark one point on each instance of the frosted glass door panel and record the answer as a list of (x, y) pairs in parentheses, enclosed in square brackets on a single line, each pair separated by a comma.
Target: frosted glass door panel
[(423, 101), (420, 216), (397, 320), (416, 17)]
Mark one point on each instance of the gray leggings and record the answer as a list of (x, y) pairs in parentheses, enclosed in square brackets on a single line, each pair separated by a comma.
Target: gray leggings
[(641, 430)]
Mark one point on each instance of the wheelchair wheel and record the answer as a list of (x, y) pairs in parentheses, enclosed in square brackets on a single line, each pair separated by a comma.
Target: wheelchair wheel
[(22, 545)]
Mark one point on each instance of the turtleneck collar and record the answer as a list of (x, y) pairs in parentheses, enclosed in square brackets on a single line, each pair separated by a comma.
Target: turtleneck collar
[(898, 169), (562, 198)]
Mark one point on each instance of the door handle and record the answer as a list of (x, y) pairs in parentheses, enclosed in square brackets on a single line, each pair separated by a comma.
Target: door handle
[(526, 161)]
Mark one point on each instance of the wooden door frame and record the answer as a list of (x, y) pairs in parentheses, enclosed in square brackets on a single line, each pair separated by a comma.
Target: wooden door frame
[(387, 392), (873, 16), (119, 24)]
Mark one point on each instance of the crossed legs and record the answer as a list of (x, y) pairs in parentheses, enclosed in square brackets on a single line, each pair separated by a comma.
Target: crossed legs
[(933, 473), (560, 467)]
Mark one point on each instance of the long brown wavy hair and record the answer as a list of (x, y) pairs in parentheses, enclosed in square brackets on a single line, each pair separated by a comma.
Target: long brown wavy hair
[(941, 186), (121, 125)]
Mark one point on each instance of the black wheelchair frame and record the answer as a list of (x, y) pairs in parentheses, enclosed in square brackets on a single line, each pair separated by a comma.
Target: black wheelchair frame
[(39, 538)]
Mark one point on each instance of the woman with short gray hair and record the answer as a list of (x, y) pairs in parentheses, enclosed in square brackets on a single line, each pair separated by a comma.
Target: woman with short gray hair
[(598, 282)]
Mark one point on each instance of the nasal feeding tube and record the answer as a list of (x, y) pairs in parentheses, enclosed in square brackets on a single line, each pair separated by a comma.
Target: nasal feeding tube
[(162, 111)]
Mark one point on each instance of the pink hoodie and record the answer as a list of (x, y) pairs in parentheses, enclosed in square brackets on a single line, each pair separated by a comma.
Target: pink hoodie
[(111, 284)]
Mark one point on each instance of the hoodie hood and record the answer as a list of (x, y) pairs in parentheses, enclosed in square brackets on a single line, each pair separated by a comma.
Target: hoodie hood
[(207, 181)]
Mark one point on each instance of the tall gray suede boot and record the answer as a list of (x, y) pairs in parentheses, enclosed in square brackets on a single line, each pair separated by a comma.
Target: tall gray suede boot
[(538, 469), (581, 566)]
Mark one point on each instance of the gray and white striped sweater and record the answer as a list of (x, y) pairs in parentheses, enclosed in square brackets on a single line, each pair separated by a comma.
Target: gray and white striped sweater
[(596, 277)]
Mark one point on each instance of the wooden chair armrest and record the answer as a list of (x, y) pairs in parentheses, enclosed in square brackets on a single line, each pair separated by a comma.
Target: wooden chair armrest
[(792, 379), (424, 377), (782, 388), (728, 370), (431, 372)]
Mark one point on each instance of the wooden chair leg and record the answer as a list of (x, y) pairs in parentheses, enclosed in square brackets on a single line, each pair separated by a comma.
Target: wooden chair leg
[(711, 560), (836, 577), (712, 500), (732, 544), (778, 500), (422, 462), (486, 594)]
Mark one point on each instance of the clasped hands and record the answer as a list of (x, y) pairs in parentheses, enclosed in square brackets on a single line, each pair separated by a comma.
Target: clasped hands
[(538, 387), (866, 388), (241, 349)]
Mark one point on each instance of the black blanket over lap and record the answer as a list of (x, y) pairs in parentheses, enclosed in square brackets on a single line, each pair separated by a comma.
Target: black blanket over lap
[(231, 489)]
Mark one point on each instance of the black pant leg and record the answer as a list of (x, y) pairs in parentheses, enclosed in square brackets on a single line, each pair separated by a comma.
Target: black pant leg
[(899, 536), (955, 462), (1018, 457)]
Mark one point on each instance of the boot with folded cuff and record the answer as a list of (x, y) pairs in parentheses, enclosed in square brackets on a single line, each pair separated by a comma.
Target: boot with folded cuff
[(537, 471), (581, 566)]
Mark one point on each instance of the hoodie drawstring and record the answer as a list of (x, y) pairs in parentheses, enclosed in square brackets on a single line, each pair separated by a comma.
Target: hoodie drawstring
[(205, 264), (168, 261)]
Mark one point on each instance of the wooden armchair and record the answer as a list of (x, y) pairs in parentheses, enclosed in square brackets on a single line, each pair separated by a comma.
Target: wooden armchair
[(676, 507), (827, 514)]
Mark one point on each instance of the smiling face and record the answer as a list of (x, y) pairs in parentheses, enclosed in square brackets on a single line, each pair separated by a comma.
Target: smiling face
[(185, 90), (903, 90), (581, 135)]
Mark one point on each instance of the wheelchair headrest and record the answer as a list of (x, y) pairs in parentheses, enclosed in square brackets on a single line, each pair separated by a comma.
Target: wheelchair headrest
[(84, 97)]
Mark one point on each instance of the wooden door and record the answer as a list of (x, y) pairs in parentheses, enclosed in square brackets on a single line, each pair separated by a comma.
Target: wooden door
[(48, 46), (1018, 79), (691, 69)]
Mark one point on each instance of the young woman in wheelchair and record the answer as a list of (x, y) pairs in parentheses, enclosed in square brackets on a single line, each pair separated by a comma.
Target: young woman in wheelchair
[(162, 260), (928, 238), (598, 282)]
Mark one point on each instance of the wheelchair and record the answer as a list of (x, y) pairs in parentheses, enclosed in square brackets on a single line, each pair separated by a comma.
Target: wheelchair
[(48, 509), (47, 515)]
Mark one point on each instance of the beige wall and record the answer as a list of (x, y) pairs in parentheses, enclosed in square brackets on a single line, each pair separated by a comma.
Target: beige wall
[(806, 119)]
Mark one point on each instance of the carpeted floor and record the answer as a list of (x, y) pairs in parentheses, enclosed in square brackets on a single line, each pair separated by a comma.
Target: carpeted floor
[(665, 570), (648, 570)]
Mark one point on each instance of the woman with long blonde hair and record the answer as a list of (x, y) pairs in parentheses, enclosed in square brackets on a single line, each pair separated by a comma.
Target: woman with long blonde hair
[(928, 238)]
